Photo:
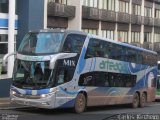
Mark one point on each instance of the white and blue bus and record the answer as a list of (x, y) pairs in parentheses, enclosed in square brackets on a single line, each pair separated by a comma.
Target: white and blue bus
[(158, 83), (63, 69)]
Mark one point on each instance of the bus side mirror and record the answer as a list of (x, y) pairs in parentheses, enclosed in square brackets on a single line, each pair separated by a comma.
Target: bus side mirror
[(5, 59)]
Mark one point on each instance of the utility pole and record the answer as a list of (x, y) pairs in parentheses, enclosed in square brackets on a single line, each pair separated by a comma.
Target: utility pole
[(11, 36)]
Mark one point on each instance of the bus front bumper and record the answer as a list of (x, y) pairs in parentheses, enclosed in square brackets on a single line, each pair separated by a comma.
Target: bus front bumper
[(47, 102)]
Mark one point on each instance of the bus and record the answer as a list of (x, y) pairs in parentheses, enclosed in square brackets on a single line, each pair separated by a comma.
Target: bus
[(72, 69), (158, 83)]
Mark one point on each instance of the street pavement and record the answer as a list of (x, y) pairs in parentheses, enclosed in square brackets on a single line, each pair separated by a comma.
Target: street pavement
[(5, 104), (118, 112)]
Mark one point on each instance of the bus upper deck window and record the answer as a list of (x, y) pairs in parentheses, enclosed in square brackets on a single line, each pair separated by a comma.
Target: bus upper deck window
[(73, 43)]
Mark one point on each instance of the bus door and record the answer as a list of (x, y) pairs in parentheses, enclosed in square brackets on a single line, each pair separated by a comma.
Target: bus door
[(61, 96)]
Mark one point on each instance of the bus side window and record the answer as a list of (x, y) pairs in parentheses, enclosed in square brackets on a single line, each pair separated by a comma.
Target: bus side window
[(86, 79), (106, 84), (123, 54), (139, 58), (131, 55), (101, 79), (111, 80), (62, 76), (95, 48), (116, 52), (130, 80), (106, 49), (144, 55), (89, 53), (73, 43)]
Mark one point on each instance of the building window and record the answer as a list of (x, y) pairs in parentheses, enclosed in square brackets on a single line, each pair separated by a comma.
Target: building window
[(147, 12), (147, 37), (90, 3), (136, 9), (4, 6), (135, 36), (91, 31), (123, 36), (157, 37), (3, 45), (108, 4), (3, 38), (108, 34), (3, 50), (58, 1), (157, 13), (123, 7)]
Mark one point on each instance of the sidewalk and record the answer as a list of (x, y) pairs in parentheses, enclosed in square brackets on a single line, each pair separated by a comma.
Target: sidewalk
[(3, 76), (5, 104), (4, 101)]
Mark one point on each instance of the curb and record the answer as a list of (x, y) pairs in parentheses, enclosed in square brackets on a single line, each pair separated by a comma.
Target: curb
[(13, 107), (4, 102), (4, 77)]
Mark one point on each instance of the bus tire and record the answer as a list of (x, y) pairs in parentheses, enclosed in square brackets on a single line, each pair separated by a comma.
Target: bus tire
[(143, 100), (135, 101), (80, 103)]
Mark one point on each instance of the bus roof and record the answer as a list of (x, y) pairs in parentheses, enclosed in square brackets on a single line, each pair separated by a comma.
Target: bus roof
[(95, 36), (59, 30)]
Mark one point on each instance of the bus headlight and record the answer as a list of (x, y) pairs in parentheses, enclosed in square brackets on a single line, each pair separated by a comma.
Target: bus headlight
[(13, 92), (43, 95), (49, 94), (46, 95)]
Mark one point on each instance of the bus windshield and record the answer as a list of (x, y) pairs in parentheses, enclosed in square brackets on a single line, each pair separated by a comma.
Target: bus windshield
[(41, 43), (32, 75)]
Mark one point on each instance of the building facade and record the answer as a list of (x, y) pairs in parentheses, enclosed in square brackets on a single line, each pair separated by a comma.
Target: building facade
[(4, 10), (135, 22)]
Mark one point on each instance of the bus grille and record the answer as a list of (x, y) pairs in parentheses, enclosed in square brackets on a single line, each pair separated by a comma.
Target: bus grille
[(28, 96)]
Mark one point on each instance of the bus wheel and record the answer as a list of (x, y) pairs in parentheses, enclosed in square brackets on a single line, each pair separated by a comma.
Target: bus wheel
[(143, 100), (80, 103), (135, 101)]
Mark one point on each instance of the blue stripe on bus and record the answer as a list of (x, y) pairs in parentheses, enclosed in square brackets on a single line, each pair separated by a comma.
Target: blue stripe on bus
[(39, 92), (29, 92), (68, 104), (68, 92), (143, 82), (4, 23)]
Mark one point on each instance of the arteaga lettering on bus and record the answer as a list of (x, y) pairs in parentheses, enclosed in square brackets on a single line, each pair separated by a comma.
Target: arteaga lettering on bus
[(69, 63), (112, 66)]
